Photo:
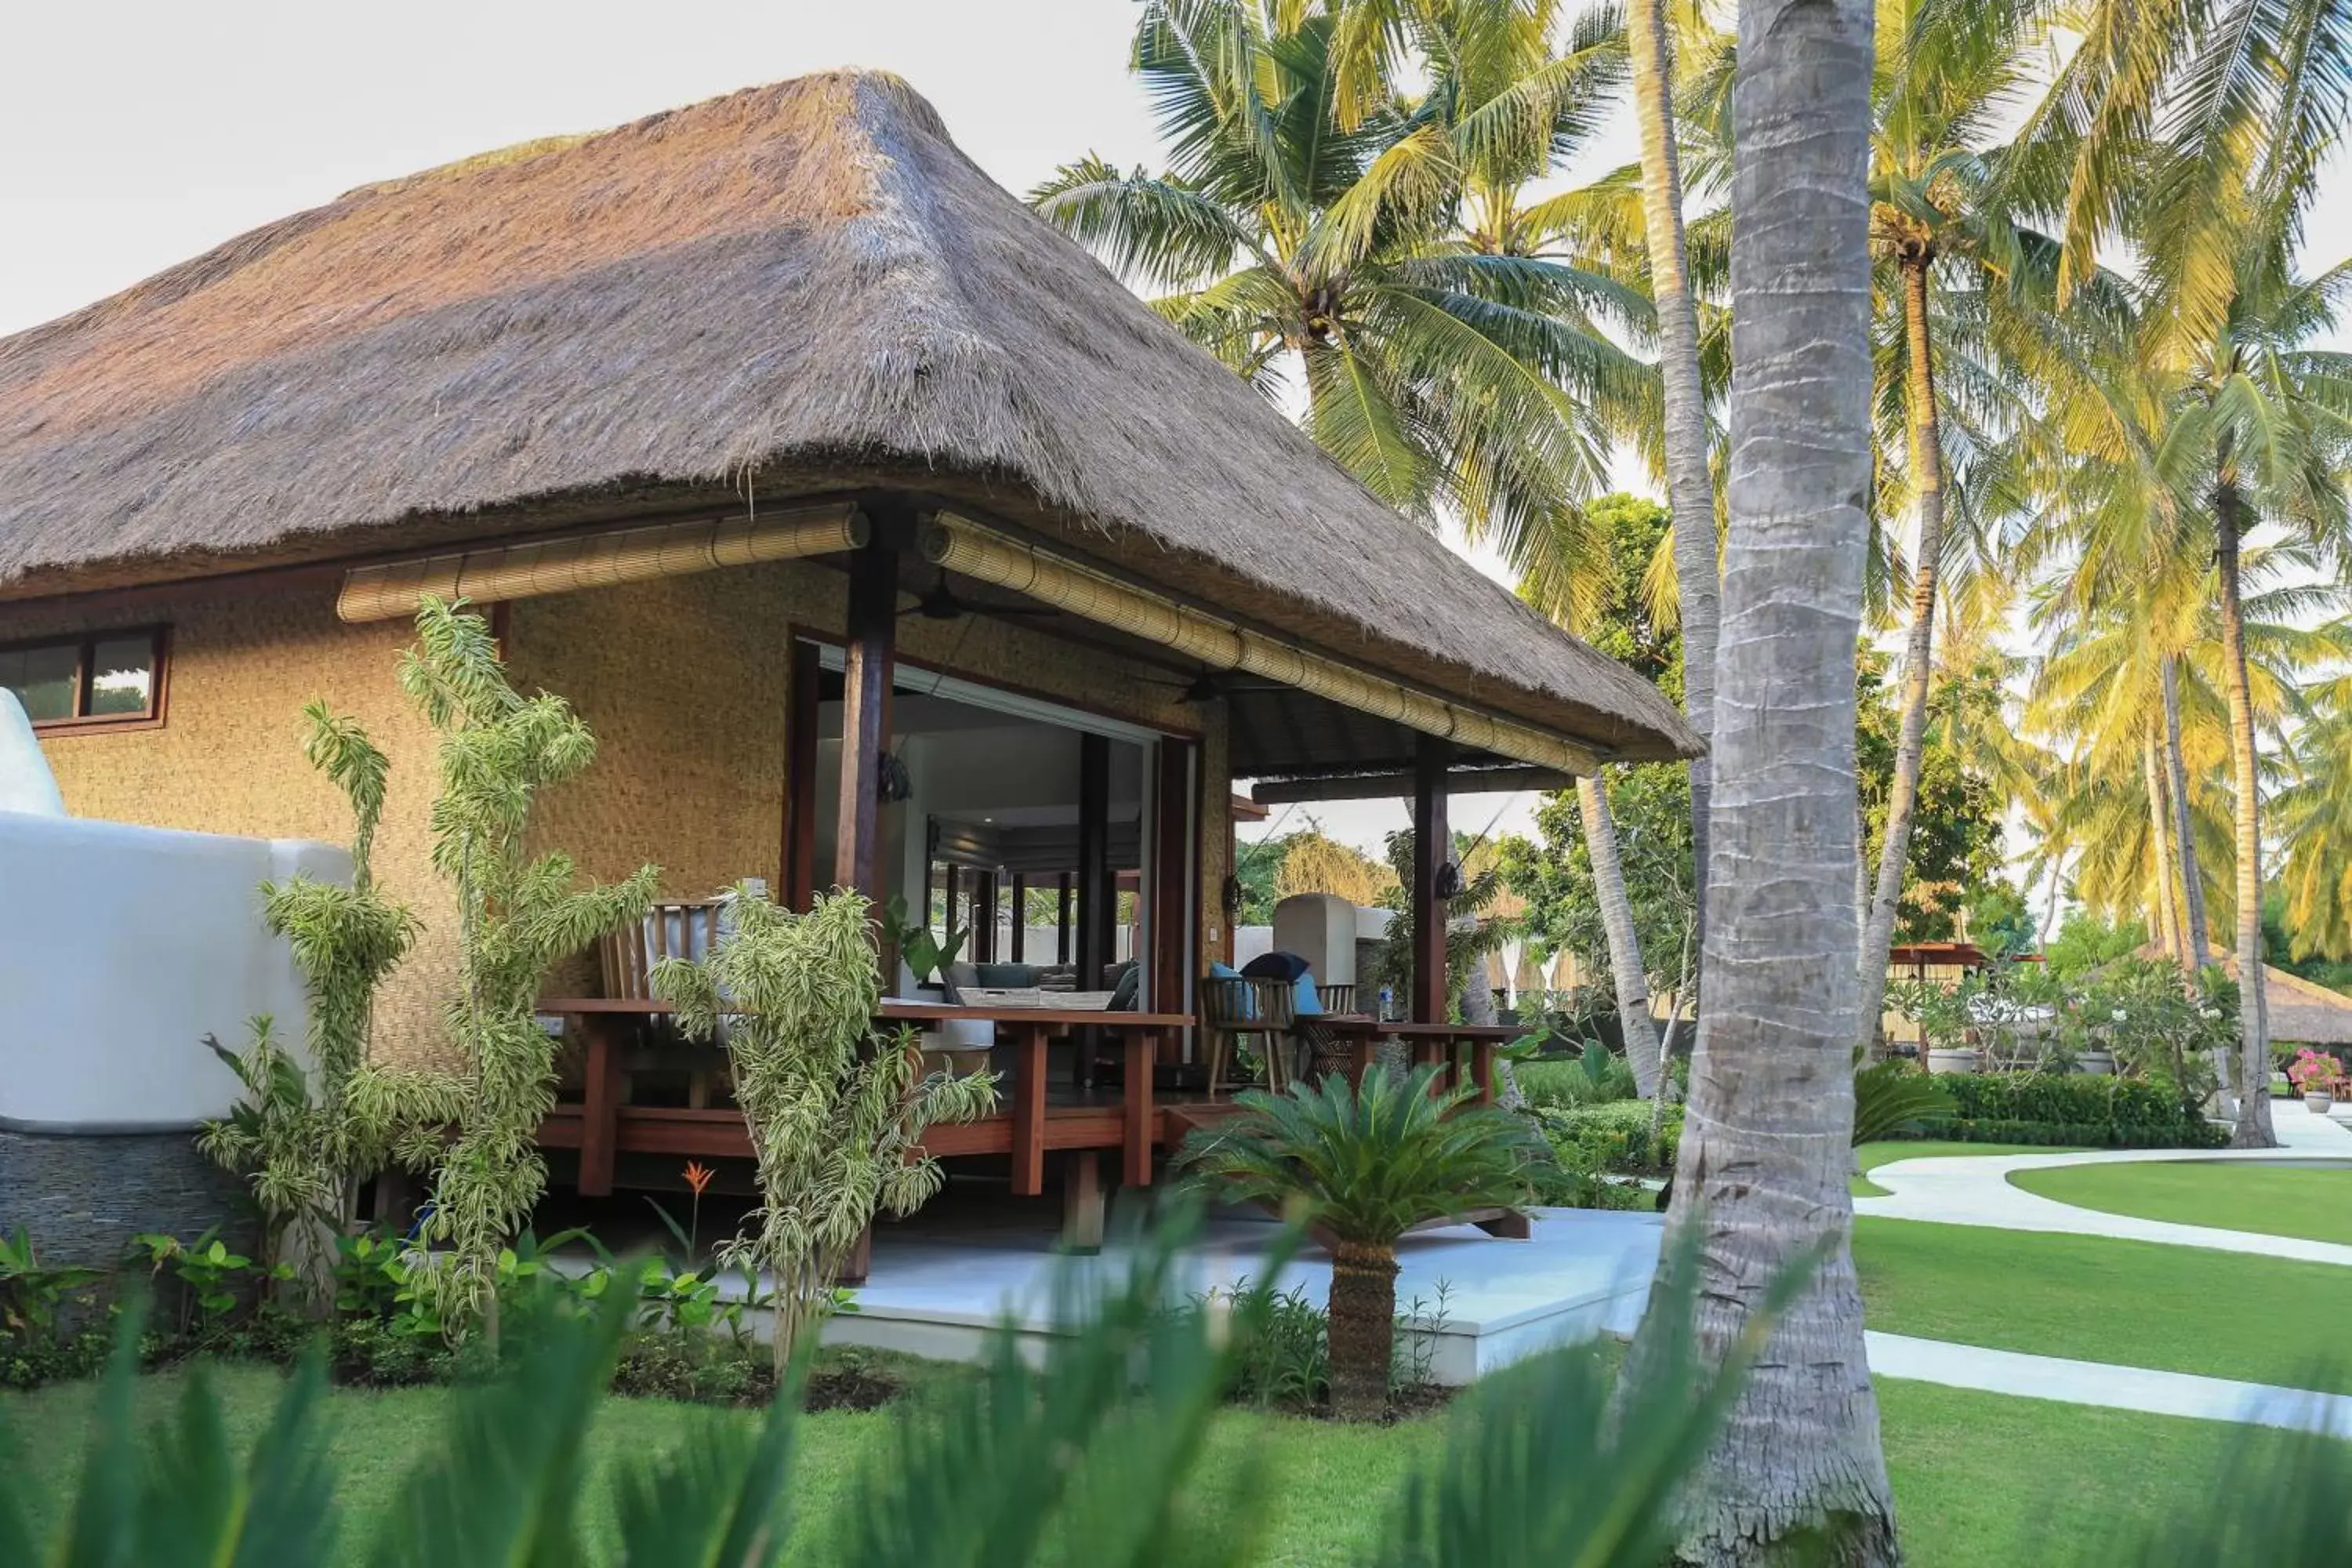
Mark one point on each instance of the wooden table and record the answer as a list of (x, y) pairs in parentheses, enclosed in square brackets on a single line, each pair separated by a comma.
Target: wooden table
[(1029, 1027), (1431, 1044)]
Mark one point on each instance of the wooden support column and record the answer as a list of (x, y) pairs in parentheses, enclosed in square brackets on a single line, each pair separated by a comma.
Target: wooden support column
[(1062, 919), (1171, 876), (1097, 891), (866, 719), (1433, 842), (802, 719), (1082, 1201), (600, 1111), (983, 917), (1020, 954), (1137, 1117), (1028, 1109)]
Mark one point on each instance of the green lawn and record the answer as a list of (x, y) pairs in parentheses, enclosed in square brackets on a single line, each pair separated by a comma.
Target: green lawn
[(1870, 1156), (2272, 1201), (2134, 1302), (1980, 1481)]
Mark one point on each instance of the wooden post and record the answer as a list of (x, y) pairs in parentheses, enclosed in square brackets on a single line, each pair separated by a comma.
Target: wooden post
[(1432, 843), (600, 1111), (1062, 919), (1028, 1111), (1097, 892), (1082, 1201), (860, 1261), (1135, 1104), (797, 886), (866, 719), (1172, 877), (1020, 954), (983, 917)]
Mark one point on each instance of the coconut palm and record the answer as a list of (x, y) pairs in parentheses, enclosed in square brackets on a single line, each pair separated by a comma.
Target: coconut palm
[(1369, 1162), (1762, 1175), (1320, 241), (2315, 818), (1947, 71)]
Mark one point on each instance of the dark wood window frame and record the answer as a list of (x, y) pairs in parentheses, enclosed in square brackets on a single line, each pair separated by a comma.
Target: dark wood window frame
[(86, 645)]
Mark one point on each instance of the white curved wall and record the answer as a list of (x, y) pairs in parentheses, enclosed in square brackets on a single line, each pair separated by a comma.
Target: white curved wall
[(119, 947)]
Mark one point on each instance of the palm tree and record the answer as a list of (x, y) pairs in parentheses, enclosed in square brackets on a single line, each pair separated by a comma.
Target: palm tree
[(1762, 1176), (1315, 235), (1947, 71), (1690, 489), (2315, 818), (2268, 411), (1369, 1163)]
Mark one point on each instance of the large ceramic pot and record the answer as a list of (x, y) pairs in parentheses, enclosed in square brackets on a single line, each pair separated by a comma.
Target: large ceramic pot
[(2101, 1064), (1952, 1058), (2319, 1104)]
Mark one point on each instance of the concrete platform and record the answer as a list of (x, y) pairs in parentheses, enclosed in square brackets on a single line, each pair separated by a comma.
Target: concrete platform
[(1483, 1301)]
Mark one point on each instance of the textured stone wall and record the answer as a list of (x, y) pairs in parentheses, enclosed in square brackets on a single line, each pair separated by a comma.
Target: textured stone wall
[(685, 682), (82, 1197)]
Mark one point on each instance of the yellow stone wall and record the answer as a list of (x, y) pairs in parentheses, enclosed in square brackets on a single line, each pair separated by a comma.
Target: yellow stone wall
[(684, 681)]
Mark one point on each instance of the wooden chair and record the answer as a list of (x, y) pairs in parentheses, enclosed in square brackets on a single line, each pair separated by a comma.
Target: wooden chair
[(1233, 1008), (686, 929), (1339, 999)]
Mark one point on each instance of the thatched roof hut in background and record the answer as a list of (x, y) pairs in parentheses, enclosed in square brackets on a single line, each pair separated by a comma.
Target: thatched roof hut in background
[(2302, 1012), (795, 288)]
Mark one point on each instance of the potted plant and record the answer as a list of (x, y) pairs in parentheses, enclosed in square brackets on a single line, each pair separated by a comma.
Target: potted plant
[(2316, 1076)]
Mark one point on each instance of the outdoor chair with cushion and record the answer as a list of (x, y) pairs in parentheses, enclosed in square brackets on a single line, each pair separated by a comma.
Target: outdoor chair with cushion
[(1233, 1007)]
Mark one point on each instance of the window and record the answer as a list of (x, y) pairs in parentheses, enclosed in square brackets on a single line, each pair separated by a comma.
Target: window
[(108, 678)]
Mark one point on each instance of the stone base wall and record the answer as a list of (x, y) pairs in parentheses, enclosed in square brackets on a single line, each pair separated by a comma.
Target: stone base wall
[(82, 1196)]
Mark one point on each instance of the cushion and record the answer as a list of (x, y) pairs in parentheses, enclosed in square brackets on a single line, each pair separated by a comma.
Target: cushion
[(1306, 1002), (1275, 965), (1007, 976), (1122, 996), (1221, 971), (956, 977)]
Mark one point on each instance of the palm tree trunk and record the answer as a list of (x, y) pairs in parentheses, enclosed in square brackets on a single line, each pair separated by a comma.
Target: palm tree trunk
[(1624, 945), (1690, 491), (1761, 1178), (1362, 1330), (2192, 879), (1918, 654), (2253, 1044), (2159, 832)]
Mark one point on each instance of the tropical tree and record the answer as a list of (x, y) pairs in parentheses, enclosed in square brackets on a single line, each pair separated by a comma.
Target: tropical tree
[(1313, 230), (1366, 1164), (1762, 1179), (1947, 71), (1690, 487), (2315, 818)]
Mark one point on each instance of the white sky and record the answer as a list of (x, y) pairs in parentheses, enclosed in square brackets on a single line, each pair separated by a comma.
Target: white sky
[(136, 133)]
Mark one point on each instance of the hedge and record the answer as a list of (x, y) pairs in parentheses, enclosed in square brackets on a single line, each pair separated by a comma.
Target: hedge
[(1613, 1137), (2072, 1107)]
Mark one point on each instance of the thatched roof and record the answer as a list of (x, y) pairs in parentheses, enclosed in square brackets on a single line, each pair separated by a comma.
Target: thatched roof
[(794, 286), (2301, 1012)]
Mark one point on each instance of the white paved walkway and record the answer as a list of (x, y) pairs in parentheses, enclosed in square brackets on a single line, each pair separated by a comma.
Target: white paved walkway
[(2112, 1387), (1975, 1189)]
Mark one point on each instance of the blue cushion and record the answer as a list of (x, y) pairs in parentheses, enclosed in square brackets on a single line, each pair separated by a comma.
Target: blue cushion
[(1305, 1000), (1122, 998), (1007, 976), (1222, 972)]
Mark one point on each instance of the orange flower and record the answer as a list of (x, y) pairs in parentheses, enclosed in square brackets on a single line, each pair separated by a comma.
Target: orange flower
[(697, 1176)]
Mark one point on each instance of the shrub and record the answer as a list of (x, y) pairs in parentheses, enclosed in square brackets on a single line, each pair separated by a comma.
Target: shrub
[(2070, 1108), (1614, 1138), (1595, 1077)]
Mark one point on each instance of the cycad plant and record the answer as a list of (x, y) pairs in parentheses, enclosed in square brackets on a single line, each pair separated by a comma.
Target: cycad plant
[(1364, 1165), (837, 1112)]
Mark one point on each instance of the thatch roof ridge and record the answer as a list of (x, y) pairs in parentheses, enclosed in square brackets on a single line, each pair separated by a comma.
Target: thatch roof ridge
[(800, 277)]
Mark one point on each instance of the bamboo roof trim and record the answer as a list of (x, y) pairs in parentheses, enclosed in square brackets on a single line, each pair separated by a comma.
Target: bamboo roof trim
[(565, 565), (960, 545)]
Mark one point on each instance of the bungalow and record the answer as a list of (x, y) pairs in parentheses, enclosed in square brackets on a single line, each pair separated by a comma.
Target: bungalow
[(883, 538)]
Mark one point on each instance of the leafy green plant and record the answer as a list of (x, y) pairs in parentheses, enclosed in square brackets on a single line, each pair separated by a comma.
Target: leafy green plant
[(31, 1292), (212, 1282), (927, 956), (1365, 1165), (1892, 1097), (516, 916), (2072, 1107), (1617, 1138), (837, 1112), (304, 1145)]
